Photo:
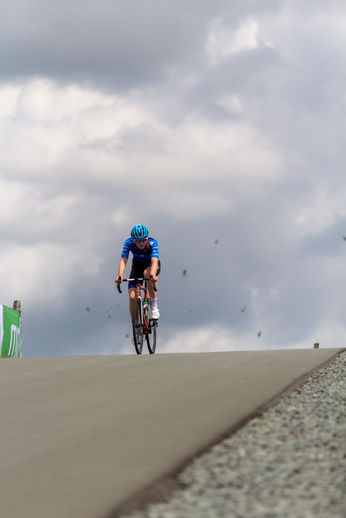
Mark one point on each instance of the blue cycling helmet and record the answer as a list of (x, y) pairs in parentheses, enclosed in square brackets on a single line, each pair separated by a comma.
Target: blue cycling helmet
[(139, 232)]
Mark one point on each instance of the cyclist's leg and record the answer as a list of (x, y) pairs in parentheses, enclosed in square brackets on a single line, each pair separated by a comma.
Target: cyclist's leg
[(137, 271), (132, 294), (152, 293)]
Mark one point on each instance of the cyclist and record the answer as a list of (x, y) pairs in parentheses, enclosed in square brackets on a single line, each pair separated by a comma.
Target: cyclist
[(145, 262)]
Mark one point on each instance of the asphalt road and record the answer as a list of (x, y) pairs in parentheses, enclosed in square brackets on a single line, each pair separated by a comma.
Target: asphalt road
[(80, 437)]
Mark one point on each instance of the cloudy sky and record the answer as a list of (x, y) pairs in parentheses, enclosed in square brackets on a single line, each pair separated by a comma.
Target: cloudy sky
[(204, 120)]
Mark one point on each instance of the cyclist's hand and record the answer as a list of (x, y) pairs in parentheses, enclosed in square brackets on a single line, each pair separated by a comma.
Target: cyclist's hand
[(154, 277), (119, 279)]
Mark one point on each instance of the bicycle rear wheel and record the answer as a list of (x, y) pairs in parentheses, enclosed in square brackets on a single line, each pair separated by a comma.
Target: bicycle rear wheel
[(137, 328), (151, 337)]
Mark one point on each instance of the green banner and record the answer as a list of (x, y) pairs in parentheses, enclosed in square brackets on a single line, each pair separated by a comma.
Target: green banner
[(10, 333)]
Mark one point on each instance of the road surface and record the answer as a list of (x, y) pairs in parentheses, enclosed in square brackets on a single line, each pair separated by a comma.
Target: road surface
[(81, 437)]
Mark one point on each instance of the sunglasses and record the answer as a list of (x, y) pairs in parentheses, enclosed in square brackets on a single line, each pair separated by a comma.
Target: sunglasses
[(140, 240)]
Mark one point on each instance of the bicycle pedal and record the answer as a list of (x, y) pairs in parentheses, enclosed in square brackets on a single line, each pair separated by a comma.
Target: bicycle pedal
[(153, 322)]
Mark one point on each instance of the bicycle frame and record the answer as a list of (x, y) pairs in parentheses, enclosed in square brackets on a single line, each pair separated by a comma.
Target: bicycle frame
[(139, 288)]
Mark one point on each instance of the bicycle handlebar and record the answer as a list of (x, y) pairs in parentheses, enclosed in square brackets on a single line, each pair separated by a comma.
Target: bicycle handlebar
[(137, 279)]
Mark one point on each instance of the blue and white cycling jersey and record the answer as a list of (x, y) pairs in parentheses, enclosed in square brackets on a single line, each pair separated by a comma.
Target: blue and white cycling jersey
[(138, 254)]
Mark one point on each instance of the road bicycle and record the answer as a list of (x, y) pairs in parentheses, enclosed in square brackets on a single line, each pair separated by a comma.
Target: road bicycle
[(141, 313)]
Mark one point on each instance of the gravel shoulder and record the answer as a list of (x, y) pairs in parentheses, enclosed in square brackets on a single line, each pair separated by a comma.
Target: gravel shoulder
[(289, 462)]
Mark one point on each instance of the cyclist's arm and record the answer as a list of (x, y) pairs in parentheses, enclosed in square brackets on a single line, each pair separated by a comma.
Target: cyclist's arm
[(154, 267), (121, 269)]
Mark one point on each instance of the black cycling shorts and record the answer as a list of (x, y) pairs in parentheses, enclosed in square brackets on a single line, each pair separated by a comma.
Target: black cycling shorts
[(137, 271)]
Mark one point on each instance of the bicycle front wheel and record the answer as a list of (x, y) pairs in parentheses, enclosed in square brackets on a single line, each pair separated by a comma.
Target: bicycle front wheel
[(151, 337), (137, 328)]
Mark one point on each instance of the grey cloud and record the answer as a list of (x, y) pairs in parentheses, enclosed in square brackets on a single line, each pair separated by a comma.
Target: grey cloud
[(142, 139), (247, 75), (117, 41), (123, 43)]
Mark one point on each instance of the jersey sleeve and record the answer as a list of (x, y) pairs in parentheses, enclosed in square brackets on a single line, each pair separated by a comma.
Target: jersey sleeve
[(154, 248), (126, 249)]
